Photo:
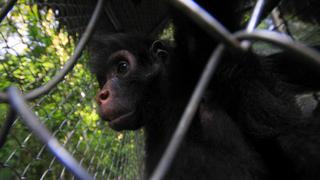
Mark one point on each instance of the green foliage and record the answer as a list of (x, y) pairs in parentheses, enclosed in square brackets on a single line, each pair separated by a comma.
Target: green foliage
[(32, 50), (168, 32)]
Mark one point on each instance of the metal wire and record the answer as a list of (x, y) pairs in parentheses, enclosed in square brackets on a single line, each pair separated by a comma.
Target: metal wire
[(31, 120), (6, 127), (70, 63), (254, 20), (256, 14), (207, 22), (308, 55), (200, 16), (187, 115), (6, 9)]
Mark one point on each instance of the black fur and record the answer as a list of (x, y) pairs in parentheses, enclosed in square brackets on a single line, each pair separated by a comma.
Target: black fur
[(247, 126)]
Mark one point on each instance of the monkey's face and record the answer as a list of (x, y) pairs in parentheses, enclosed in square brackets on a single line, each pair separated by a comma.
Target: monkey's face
[(118, 95), (129, 83)]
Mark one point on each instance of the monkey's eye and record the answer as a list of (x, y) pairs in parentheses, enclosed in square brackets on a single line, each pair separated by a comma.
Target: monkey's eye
[(123, 67)]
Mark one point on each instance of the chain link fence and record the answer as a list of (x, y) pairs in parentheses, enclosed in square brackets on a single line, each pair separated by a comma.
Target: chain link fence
[(57, 135)]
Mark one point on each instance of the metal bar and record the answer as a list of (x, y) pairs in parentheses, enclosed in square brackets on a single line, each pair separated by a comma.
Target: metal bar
[(70, 63), (6, 9), (188, 115), (254, 20), (207, 22), (31, 120), (6, 127), (74, 59), (256, 14), (308, 55)]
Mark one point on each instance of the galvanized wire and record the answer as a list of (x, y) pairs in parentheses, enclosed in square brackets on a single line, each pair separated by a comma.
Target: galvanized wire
[(91, 153), (6, 8), (70, 63), (211, 25), (92, 157), (31, 120)]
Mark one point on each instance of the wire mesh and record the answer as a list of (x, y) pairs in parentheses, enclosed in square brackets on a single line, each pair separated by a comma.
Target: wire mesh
[(37, 39), (33, 48)]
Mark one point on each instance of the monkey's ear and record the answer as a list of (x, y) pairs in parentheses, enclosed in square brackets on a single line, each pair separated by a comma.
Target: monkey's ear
[(159, 49)]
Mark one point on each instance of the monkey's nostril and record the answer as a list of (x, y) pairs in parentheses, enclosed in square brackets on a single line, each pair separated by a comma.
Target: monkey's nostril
[(104, 95)]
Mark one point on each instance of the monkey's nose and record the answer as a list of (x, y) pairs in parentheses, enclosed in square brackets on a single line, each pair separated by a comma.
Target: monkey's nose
[(102, 96)]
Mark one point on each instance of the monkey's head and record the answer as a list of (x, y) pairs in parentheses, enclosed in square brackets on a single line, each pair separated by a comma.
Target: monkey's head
[(130, 70)]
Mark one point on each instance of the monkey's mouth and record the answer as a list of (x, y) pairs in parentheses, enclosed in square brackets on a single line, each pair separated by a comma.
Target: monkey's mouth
[(125, 121)]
